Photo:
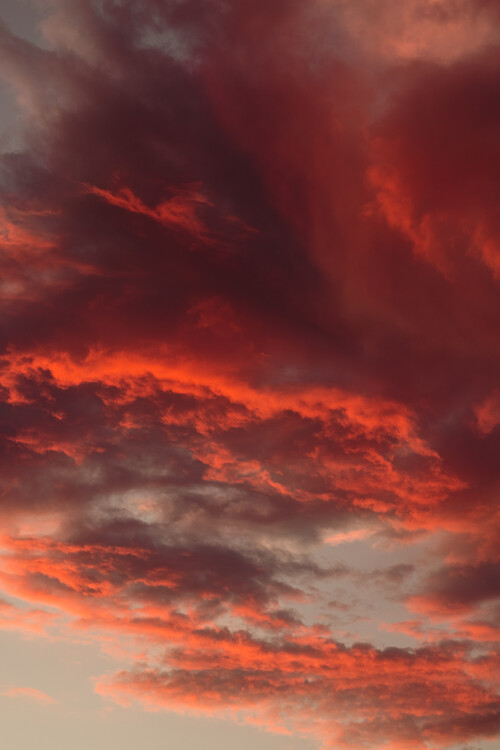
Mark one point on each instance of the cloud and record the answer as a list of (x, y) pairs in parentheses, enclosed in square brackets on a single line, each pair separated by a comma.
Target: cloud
[(421, 686), (249, 314), (460, 587), (27, 692)]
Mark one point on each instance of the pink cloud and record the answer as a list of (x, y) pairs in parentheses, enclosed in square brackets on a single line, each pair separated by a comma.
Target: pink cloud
[(32, 693)]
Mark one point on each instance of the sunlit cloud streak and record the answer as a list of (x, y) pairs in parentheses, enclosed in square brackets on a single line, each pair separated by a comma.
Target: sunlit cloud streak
[(28, 692)]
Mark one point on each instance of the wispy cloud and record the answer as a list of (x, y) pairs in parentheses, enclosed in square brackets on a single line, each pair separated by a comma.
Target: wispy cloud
[(27, 692)]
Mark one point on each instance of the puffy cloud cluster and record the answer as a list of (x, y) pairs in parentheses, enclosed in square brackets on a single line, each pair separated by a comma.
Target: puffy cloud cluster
[(249, 304)]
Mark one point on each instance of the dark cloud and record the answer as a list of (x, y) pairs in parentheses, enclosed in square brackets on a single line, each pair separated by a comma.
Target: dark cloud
[(461, 587)]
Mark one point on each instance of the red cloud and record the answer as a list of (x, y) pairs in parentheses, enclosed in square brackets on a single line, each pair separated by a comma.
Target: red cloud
[(250, 305)]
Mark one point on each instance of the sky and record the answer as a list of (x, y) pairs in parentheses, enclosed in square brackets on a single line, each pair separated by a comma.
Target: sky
[(249, 374)]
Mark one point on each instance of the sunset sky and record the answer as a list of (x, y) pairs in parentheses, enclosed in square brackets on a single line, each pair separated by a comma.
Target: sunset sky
[(250, 374)]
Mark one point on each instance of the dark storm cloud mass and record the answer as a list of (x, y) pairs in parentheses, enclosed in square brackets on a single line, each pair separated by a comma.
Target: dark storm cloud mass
[(249, 296)]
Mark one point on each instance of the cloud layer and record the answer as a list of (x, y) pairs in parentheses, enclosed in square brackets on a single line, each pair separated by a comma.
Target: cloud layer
[(250, 258)]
